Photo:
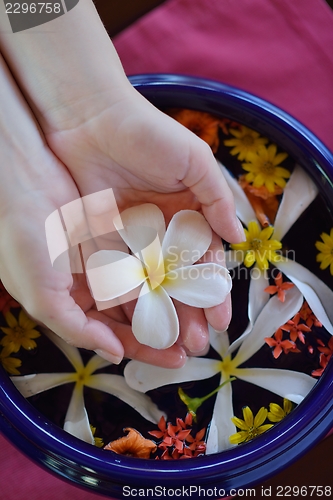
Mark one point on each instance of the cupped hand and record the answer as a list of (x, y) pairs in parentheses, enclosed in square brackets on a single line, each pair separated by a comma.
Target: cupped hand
[(147, 157)]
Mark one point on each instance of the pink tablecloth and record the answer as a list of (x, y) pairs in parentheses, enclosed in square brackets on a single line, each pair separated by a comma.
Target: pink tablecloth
[(280, 50)]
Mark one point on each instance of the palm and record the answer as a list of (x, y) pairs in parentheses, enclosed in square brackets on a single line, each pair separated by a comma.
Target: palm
[(148, 159)]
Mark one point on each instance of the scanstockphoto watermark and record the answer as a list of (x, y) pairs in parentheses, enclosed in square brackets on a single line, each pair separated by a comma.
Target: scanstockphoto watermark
[(27, 14), (187, 492)]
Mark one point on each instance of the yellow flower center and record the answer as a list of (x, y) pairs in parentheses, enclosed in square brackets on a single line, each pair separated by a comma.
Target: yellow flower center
[(256, 244), (227, 366), (248, 140), (267, 168), (82, 376)]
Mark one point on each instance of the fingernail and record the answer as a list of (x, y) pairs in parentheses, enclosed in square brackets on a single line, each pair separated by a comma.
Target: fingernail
[(109, 356), (240, 231)]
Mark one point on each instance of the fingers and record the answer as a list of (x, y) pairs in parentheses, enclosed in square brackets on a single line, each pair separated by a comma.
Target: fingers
[(193, 329), (173, 357), (206, 181), (219, 316)]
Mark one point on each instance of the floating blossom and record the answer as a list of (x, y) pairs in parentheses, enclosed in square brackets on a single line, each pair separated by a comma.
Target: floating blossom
[(251, 426), (259, 247), (245, 141), (132, 445), (264, 170), (177, 442), (325, 247), (76, 419), (276, 413), (308, 317), (279, 344), (10, 364), (204, 125), (6, 301), (296, 329), (280, 287), (20, 333), (159, 272), (297, 196), (285, 383)]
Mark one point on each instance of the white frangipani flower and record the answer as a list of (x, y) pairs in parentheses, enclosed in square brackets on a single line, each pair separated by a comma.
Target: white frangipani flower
[(288, 384), (299, 192), (159, 271), (76, 419)]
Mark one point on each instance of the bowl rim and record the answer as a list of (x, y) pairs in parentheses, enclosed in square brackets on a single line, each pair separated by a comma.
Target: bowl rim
[(58, 451)]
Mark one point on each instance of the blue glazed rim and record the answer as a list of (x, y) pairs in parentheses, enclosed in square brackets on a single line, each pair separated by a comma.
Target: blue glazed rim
[(253, 462)]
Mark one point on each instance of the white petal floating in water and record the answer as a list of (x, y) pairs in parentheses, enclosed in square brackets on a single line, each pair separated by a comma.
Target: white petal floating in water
[(155, 321), (299, 192), (116, 386)]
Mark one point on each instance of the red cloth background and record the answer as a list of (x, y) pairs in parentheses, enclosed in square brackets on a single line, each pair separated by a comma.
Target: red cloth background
[(280, 50)]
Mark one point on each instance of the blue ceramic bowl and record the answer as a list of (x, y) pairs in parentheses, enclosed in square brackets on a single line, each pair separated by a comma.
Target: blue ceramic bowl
[(240, 467)]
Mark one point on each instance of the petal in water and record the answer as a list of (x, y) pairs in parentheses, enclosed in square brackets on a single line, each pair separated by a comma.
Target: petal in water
[(155, 321)]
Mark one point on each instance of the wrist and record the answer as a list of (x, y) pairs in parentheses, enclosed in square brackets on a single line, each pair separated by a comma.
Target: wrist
[(67, 68)]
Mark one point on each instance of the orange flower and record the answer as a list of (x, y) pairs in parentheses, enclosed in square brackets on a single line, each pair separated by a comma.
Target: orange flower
[(279, 287), (264, 203), (308, 316), (279, 344), (133, 445), (204, 125), (323, 361), (295, 329)]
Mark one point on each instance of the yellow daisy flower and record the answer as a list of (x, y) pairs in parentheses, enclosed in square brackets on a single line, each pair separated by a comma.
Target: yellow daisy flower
[(11, 365), (245, 141), (263, 168), (98, 441), (276, 413), (250, 427), (325, 247), (258, 246), (20, 333)]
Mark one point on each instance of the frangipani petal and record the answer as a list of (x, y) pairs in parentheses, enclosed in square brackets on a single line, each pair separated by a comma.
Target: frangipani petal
[(143, 377), (202, 285), (258, 298), (72, 353), (76, 420), (221, 425), (244, 208), (139, 225), (186, 240), (316, 293), (299, 192), (29, 385), (288, 384), (273, 315), (233, 258), (116, 385), (155, 321), (112, 273)]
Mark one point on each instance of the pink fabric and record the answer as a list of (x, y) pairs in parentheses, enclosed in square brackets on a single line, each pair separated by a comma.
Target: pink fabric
[(21, 479), (280, 50)]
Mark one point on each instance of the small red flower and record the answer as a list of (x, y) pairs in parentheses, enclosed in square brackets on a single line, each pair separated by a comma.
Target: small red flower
[(6, 300), (279, 344), (308, 316), (323, 361), (280, 287), (295, 329)]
